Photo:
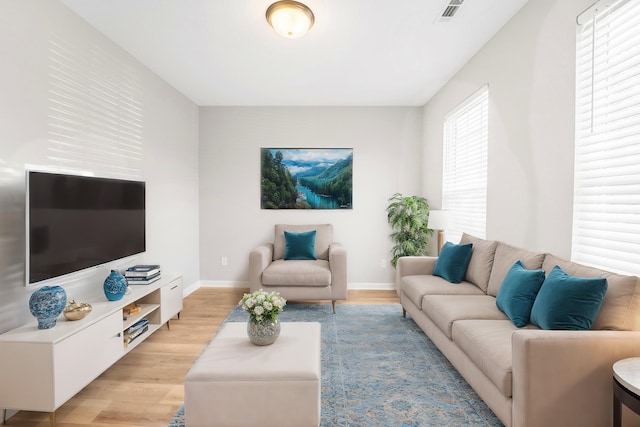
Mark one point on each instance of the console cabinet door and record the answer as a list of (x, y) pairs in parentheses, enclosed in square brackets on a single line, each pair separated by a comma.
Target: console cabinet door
[(82, 357), (26, 376), (170, 300)]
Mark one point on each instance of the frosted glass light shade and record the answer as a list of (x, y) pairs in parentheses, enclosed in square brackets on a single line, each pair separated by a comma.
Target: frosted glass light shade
[(290, 19), (439, 220)]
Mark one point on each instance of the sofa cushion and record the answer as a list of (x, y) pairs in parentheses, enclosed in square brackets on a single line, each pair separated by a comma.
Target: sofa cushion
[(518, 292), (481, 261), (567, 302), (324, 237), (488, 344), (505, 257), (416, 287), (453, 261), (297, 273), (300, 246), (620, 308), (444, 310)]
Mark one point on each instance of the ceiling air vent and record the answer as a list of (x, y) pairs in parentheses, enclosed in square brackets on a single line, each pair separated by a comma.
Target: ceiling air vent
[(450, 9)]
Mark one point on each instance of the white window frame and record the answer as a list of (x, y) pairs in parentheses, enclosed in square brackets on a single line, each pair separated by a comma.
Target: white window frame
[(465, 160), (606, 207)]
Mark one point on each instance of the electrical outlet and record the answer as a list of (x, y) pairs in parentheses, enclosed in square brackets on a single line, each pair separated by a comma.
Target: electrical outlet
[(383, 263), (224, 261)]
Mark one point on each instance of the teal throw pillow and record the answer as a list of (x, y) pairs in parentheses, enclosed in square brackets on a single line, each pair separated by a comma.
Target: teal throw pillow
[(568, 302), (453, 261), (300, 246), (518, 292)]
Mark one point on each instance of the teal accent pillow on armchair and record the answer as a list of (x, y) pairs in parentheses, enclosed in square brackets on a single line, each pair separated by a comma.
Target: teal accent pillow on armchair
[(568, 302), (453, 261), (300, 246), (518, 292)]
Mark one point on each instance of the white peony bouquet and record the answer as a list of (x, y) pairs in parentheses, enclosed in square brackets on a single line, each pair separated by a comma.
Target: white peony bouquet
[(263, 306)]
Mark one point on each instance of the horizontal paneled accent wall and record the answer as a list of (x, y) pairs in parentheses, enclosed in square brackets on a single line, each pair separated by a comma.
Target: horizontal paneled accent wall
[(74, 102)]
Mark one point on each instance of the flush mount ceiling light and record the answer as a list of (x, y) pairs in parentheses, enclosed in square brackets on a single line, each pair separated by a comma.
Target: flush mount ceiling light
[(290, 19)]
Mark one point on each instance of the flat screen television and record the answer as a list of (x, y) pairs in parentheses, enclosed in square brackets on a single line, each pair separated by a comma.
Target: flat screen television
[(77, 222)]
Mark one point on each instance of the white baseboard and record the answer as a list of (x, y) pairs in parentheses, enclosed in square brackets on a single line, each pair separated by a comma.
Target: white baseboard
[(245, 284), (371, 286), (188, 290), (212, 284), (224, 284)]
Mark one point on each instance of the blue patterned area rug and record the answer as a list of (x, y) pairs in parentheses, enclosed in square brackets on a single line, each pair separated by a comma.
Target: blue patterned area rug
[(380, 369)]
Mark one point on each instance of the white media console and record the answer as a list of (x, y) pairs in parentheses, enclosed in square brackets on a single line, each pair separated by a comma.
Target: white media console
[(43, 368)]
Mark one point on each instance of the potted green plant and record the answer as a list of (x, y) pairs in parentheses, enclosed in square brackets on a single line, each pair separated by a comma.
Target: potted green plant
[(408, 217)]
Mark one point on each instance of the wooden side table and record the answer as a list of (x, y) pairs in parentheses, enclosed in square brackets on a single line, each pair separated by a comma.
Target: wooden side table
[(626, 387)]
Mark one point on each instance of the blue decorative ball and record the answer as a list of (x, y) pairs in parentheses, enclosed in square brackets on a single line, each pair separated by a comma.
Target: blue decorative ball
[(115, 286), (46, 304)]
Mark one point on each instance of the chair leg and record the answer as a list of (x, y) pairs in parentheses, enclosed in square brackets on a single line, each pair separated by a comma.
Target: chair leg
[(404, 312), (333, 303)]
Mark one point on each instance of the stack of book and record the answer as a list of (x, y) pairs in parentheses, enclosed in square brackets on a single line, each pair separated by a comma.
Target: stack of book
[(142, 274), (135, 330)]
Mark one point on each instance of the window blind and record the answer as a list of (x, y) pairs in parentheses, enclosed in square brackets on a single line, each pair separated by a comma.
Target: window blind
[(606, 217), (464, 181)]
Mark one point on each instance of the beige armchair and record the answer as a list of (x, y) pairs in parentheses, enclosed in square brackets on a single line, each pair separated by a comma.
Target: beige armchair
[(301, 280)]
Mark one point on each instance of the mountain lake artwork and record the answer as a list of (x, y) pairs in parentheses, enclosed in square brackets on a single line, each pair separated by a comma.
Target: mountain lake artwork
[(306, 178)]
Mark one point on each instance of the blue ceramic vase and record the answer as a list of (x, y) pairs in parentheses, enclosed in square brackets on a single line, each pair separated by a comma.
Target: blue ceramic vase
[(46, 304), (115, 286)]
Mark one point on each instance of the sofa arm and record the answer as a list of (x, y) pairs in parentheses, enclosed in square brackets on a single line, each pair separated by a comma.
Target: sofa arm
[(259, 259), (413, 266), (338, 266), (564, 378)]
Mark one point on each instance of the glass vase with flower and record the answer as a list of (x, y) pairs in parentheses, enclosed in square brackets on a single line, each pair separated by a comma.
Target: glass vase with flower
[(263, 327)]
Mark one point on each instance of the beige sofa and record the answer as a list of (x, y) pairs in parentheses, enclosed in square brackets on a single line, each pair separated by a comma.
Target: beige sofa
[(301, 280), (529, 377)]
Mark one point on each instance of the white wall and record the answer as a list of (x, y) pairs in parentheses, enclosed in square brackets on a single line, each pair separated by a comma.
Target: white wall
[(530, 68), (386, 146), (32, 30)]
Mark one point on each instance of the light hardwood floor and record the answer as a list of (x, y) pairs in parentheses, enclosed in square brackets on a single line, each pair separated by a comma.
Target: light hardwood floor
[(145, 387)]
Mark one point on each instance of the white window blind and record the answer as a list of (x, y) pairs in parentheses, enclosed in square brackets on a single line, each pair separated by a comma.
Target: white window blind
[(606, 217), (464, 181)]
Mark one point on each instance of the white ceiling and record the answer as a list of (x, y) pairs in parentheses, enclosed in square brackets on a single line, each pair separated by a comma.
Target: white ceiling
[(358, 53)]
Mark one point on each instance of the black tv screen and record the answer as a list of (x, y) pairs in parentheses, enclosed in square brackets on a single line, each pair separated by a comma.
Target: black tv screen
[(77, 222)]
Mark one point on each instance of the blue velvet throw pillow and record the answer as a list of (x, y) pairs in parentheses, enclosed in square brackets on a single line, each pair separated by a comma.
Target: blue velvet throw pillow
[(453, 261), (518, 292), (300, 246), (568, 302)]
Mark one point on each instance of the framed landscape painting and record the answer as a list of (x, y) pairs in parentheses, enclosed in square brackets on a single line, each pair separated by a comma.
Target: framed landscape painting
[(306, 178)]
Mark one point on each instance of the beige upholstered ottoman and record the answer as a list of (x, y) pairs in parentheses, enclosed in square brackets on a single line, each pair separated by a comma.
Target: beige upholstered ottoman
[(235, 383)]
